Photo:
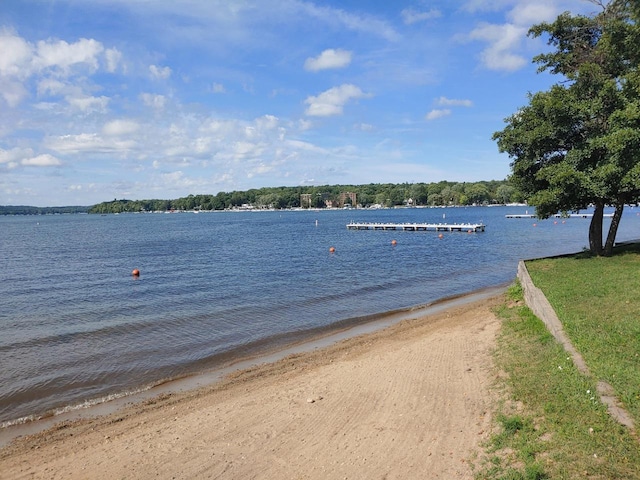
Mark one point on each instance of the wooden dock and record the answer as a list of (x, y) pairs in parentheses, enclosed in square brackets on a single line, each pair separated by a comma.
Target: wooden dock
[(415, 227)]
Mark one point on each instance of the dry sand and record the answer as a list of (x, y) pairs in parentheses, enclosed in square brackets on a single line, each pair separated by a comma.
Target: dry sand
[(412, 401)]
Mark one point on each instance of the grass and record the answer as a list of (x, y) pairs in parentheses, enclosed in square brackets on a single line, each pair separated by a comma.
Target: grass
[(598, 302), (551, 424)]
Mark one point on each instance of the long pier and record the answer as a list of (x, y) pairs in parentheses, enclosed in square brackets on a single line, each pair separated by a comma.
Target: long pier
[(414, 227)]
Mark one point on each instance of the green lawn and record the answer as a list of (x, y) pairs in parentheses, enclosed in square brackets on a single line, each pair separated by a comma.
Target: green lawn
[(551, 423), (598, 302)]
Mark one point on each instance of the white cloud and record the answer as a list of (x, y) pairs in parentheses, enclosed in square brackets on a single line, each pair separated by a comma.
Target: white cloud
[(364, 127), (50, 86), (304, 124), (306, 146), (223, 140), (14, 155), (530, 13), (153, 100), (410, 16), (86, 143), (218, 88), (341, 19), (13, 92), (267, 122), (21, 59), (159, 72), (120, 127), (214, 126), (44, 160), (503, 41), (89, 104), (53, 61), (437, 113), (25, 157), (328, 59), (332, 101), (15, 55), (260, 169), (474, 6), (444, 101), (244, 150), (112, 57), (62, 55), (173, 177)]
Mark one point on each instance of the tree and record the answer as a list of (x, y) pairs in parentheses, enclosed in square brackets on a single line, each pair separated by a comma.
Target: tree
[(435, 199), (419, 194), (477, 193), (504, 193), (578, 144)]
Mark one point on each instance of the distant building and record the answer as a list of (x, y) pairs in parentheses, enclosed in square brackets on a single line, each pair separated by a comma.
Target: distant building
[(349, 195), (305, 200)]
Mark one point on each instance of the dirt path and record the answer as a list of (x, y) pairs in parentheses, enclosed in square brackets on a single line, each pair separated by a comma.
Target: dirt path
[(411, 401)]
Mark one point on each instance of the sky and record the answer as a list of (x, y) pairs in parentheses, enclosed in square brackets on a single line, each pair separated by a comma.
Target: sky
[(147, 99)]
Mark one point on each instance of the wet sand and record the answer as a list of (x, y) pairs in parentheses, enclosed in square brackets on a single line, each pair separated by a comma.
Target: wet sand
[(410, 401)]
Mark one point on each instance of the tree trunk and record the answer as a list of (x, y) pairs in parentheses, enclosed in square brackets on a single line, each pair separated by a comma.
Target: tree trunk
[(613, 229), (595, 230)]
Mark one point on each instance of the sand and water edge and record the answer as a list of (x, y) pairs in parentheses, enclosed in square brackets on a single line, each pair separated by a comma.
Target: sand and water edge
[(393, 402)]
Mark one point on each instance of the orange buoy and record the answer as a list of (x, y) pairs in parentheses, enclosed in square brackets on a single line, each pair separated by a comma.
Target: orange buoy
[(393, 242), (440, 236), (535, 224), (135, 272), (332, 249)]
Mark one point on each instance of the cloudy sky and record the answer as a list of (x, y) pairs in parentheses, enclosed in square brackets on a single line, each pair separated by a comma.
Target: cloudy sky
[(140, 99)]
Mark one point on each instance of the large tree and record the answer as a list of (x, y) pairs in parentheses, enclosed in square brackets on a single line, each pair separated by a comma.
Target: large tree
[(578, 144)]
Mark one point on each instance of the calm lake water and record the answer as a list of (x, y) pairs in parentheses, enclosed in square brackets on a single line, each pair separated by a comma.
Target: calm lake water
[(76, 328)]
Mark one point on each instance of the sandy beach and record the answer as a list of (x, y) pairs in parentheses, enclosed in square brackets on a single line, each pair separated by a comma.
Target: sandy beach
[(410, 401)]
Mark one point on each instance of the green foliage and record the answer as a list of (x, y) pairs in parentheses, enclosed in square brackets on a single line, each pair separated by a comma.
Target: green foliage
[(578, 143), (27, 210), (599, 303), (386, 194), (551, 424), (511, 425)]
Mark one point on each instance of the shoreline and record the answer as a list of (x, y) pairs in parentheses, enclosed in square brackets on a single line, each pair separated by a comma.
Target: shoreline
[(410, 399), (270, 353)]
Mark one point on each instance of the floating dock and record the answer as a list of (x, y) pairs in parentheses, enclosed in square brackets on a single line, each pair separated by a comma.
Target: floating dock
[(415, 227)]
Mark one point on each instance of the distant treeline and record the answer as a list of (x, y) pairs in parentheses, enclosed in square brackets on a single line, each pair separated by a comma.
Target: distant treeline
[(26, 210), (385, 195)]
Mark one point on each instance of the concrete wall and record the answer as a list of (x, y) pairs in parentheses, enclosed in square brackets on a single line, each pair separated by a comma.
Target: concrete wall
[(541, 307)]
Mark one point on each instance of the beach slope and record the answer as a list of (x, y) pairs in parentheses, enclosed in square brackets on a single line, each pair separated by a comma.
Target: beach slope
[(410, 401)]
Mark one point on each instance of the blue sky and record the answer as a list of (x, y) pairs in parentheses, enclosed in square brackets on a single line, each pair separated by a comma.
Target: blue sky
[(140, 99)]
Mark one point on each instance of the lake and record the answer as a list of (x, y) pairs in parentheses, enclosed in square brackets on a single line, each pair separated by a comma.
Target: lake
[(76, 328)]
